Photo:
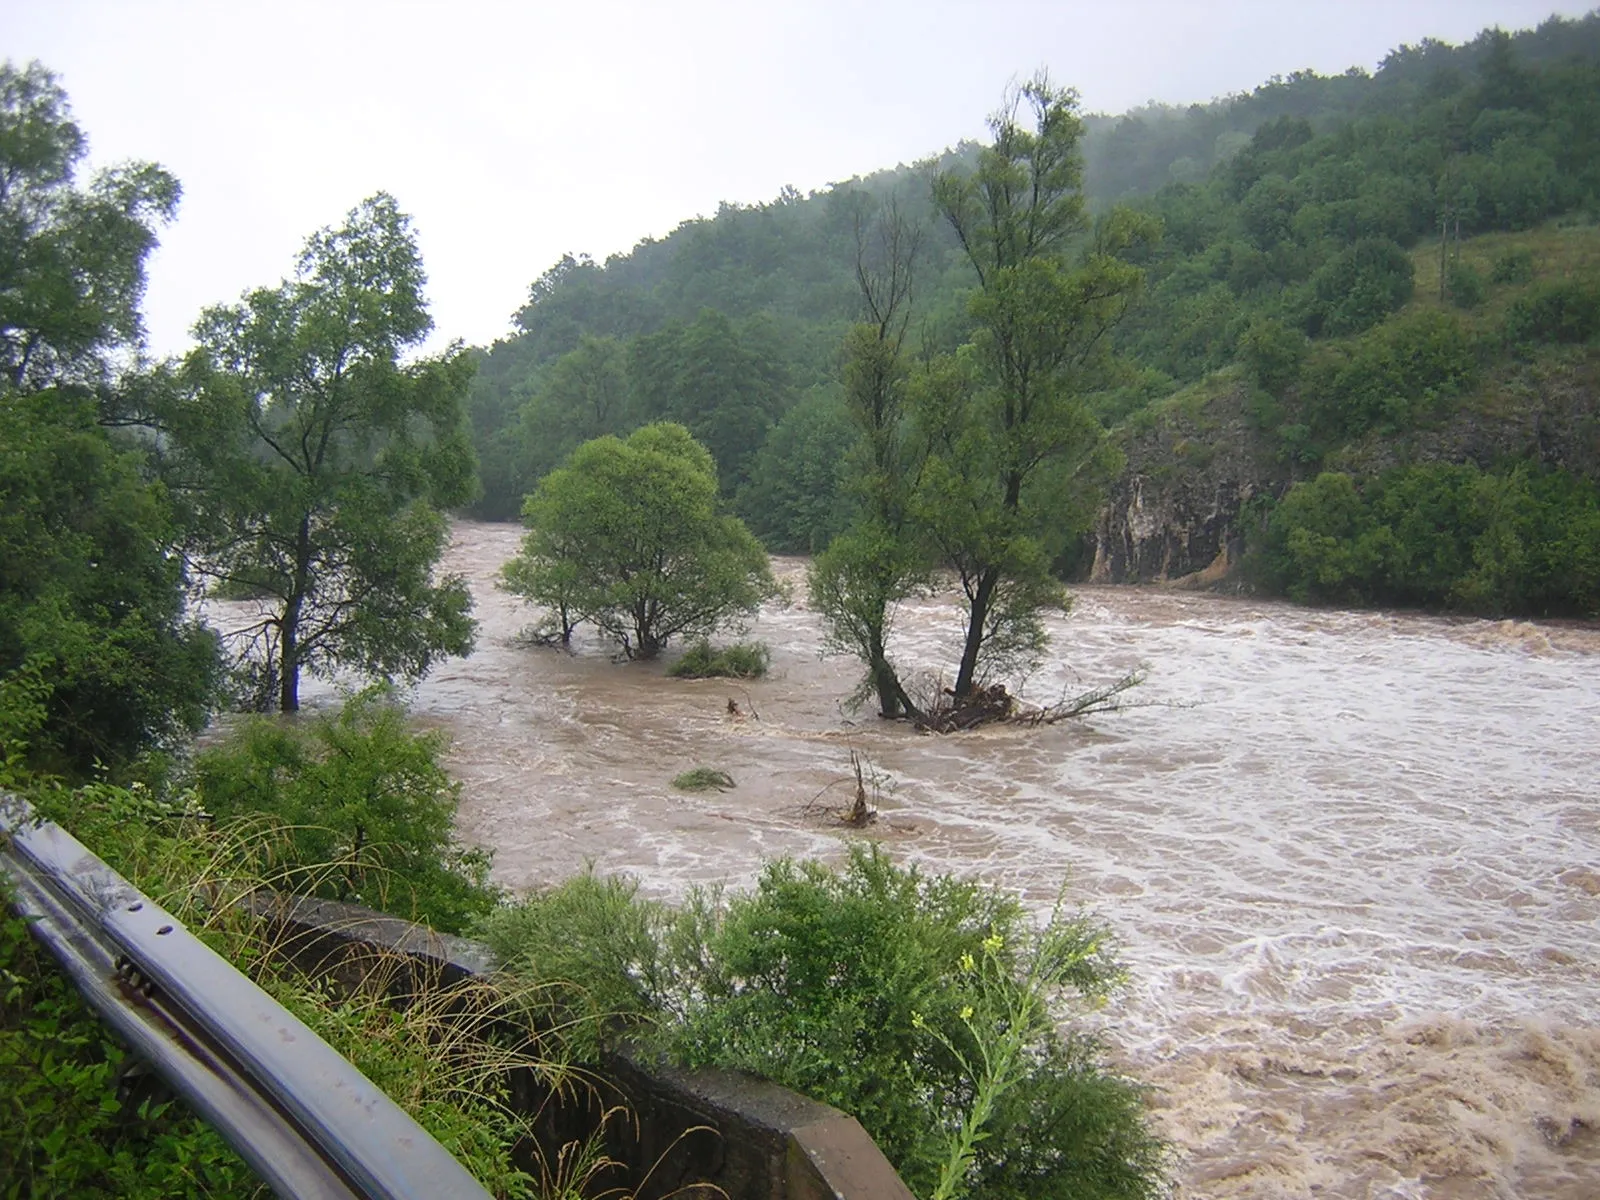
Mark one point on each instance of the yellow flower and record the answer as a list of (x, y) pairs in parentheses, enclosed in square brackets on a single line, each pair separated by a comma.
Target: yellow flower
[(917, 1022), (992, 943), (966, 1013), (967, 961)]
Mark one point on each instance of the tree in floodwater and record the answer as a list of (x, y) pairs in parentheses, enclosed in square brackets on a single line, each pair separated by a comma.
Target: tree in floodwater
[(1011, 442), (630, 536), (857, 583), (316, 463)]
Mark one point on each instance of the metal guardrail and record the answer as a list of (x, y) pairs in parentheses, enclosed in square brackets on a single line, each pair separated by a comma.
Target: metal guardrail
[(309, 1123)]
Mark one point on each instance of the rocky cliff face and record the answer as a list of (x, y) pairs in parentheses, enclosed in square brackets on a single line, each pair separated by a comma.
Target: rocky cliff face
[(1177, 512)]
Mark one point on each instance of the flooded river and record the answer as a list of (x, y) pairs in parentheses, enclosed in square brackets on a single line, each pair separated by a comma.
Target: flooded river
[(1353, 859)]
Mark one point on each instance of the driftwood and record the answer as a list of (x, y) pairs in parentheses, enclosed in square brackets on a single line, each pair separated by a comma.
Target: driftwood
[(981, 706), (993, 704), (862, 811), (1105, 698)]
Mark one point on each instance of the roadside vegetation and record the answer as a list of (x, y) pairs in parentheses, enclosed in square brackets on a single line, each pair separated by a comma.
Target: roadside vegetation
[(931, 1008), (84, 1119)]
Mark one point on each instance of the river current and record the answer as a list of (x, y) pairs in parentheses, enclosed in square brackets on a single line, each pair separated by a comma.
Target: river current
[(1352, 859)]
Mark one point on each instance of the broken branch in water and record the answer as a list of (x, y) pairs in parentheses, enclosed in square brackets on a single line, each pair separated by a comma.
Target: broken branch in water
[(994, 704), (1105, 698)]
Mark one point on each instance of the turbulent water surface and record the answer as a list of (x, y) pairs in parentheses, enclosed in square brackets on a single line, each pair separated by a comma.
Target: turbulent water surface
[(1353, 858)]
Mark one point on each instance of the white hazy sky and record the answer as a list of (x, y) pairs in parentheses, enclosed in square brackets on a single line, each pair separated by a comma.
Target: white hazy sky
[(514, 132)]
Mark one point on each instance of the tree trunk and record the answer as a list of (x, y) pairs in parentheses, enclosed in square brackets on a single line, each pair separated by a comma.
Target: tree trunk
[(289, 660), (289, 650), (979, 615), (883, 679)]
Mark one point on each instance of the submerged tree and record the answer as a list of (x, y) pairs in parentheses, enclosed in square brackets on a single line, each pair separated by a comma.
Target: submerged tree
[(859, 580), (629, 535), (317, 462), (1010, 436)]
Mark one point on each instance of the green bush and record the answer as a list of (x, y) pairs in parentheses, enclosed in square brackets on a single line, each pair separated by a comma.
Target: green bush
[(1514, 265), (1273, 353), (1360, 286), (1565, 310), (927, 1006), (79, 1124), (702, 779), (1466, 285), (1440, 536), (599, 948), (365, 809), (1393, 375), (742, 660)]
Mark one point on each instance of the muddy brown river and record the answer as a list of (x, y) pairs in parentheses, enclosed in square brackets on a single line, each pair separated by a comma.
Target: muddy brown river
[(1353, 859)]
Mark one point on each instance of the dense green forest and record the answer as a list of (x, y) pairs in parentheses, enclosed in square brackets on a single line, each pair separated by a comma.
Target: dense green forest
[(1361, 274)]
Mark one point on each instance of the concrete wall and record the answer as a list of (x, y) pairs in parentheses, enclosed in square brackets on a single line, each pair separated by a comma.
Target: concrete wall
[(691, 1134)]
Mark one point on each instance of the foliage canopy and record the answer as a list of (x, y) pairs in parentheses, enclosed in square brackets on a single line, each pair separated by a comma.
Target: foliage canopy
[(316, 463), (629, 535)]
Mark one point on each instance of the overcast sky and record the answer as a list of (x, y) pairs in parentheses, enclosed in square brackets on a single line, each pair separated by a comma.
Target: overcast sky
[(514, 132)]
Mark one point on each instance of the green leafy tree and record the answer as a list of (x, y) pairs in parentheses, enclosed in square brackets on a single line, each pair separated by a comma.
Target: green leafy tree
[(795, 500), (90, 598), (72, 259), (725, 382), (1013, 410), (583, 395), (629, 535), (1360, 286), (317, 462), (859, 581), (92, 602)]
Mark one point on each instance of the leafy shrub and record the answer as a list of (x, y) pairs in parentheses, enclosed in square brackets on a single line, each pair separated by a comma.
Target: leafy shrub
[(703, 779), (86, 1130), (1565, 310), (79, 1123), (365, 808), (742, 660), (1440, 536), (1360, 286), (1514, 265), (1273, 353), (1393, 375), (599, 947), (927, 1006), (1466, 285)]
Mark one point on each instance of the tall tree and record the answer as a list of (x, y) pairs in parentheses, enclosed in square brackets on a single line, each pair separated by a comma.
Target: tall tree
[(1012, 416), (581, 396), (858, 582), (317, 462), (93, 620)]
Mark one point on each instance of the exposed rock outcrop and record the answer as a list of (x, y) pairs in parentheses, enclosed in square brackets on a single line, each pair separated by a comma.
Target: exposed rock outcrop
[(1176, 513)]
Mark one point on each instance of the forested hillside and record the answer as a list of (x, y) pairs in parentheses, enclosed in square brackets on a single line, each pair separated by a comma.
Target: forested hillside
[(1389, 276)]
